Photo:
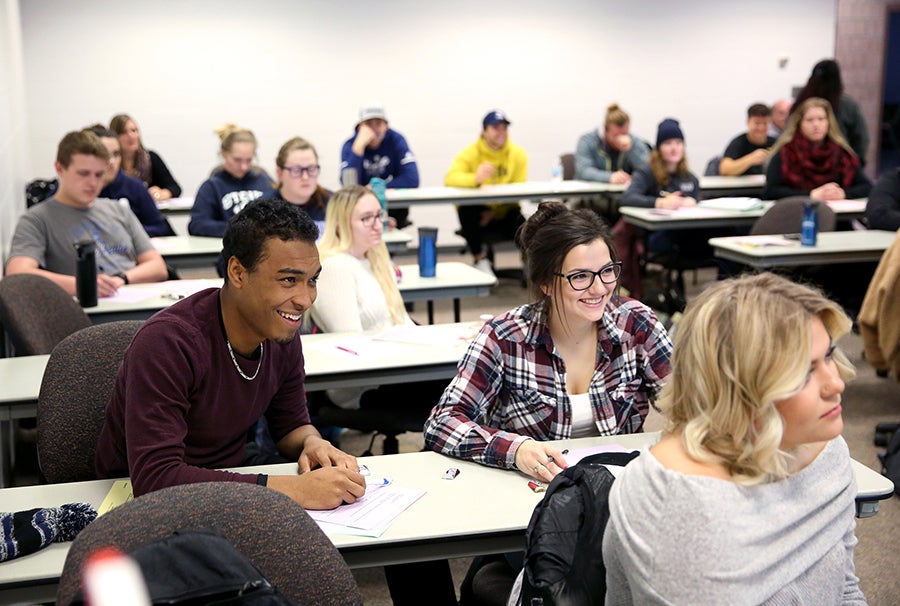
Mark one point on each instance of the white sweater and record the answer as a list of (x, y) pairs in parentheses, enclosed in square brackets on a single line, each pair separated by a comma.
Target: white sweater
[(674, 538), (349, 300)]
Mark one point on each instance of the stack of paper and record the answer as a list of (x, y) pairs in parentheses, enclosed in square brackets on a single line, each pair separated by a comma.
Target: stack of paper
[(371, 515), (734, 204)]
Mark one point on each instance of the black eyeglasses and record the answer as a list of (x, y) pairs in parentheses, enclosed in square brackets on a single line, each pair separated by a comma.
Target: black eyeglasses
[(297, 171), (369, 220), (583, 279)]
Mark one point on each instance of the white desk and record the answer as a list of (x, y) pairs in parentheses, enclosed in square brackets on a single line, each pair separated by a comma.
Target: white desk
[(538, 190), (750, 185), (453, 519), (326, 368), (174, 206), (189, 252), (453, 280), (831, 247), (653, 219)]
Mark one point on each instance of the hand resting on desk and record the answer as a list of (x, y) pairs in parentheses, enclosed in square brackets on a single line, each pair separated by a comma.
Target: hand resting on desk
[(539, 460)]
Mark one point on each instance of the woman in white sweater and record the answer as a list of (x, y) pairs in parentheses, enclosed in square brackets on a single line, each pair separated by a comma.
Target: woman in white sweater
[(748, 498), (358, 286)]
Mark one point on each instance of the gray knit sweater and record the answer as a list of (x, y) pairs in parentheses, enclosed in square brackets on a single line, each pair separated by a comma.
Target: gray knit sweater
[(681, 539)]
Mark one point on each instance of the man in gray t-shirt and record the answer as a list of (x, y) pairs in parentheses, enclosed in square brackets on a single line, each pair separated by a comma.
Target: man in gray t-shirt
[(45, 236)]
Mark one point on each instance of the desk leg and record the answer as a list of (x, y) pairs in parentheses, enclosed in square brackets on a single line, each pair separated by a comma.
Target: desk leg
[(456, 310), (431, 312), (6, 440)]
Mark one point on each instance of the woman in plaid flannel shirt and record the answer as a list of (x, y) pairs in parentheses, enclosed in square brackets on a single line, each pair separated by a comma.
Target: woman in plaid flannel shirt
[(578, 361)]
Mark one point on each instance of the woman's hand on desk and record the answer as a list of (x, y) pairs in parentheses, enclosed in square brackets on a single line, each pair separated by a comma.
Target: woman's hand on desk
[(323, 488), (539, 460)]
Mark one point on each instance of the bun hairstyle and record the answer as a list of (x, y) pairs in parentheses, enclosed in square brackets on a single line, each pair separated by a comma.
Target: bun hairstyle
[(231, 134), (547, 237), (615, 115)]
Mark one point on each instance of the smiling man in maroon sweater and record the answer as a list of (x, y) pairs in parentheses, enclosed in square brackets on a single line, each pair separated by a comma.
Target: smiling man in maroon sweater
[(198, 375)]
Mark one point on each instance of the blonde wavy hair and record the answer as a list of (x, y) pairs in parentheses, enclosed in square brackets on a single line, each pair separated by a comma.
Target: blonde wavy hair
[(338, 238), (743, 345), (792, 126)]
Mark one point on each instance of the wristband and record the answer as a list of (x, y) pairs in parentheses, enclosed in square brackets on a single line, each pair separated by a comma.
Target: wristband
[(122, 275)]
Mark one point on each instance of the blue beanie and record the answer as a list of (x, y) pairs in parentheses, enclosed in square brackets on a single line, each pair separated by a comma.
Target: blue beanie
[(668, 129)]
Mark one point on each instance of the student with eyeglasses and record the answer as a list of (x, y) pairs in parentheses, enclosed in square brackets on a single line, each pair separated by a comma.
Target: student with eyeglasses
[(578, 361), (358, 288), (297, 169), (357, 291)]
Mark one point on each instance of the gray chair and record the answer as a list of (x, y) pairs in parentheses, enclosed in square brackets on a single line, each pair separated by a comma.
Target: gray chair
[(712, 167), (72, 402), (787, 214), (267, 527), (36, 313), (568, 166)]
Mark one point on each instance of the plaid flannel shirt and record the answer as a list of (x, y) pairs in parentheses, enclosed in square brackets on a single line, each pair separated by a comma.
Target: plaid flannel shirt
[(511, 383)]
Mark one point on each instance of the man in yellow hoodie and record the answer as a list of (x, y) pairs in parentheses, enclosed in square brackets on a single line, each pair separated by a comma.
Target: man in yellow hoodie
[(492, 159)]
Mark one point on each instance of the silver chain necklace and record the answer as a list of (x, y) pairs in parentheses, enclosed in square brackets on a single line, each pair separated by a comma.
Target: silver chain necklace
[(238, 366)]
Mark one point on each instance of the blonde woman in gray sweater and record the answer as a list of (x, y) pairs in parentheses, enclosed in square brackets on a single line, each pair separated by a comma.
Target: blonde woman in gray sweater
[(748, 498)]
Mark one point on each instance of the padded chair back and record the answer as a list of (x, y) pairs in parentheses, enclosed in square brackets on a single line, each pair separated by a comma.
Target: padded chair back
[(712, 167), (72, 402), (568, 166), (267, 527), (787, 214), (36, 314)]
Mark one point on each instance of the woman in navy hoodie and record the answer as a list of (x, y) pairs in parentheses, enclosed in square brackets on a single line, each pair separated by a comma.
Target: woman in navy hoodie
[(230, 188)]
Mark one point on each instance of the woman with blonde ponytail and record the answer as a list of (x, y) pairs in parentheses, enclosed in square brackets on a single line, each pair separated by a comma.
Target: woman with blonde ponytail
[(230, 188)]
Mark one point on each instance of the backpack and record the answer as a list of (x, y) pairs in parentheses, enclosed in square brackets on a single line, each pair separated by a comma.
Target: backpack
[(888, 435), (564, 540), (201, 567)]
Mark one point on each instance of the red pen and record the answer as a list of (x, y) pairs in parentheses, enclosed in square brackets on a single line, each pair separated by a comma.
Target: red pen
[(349, 351)]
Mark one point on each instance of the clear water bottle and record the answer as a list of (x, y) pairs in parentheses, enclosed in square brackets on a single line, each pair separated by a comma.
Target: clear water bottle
[(809, 225), (557, 171)]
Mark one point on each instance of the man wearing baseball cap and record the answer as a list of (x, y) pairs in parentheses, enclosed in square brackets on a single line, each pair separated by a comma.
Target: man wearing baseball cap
[(491, 159), (376, 150)]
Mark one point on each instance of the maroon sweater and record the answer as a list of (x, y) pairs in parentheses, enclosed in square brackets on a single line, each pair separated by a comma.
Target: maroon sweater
[(179, 408)]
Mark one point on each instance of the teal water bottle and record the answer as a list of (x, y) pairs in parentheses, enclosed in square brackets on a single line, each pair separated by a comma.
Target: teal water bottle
[(378, 187)]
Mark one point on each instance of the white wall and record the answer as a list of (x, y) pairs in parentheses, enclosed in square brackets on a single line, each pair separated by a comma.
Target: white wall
[(14, 148), (282, 68)]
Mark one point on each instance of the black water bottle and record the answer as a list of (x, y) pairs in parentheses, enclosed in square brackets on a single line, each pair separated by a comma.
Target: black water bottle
[(86, 274)]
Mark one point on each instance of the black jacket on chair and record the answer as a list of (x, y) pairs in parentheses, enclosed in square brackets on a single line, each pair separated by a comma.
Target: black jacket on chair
[(564, 541)]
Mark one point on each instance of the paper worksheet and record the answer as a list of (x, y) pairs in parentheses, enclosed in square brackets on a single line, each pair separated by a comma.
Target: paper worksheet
[(371, 515)]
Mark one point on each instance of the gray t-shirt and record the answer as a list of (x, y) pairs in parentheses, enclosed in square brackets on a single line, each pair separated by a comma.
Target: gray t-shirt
[(48, 232), (675, 538)]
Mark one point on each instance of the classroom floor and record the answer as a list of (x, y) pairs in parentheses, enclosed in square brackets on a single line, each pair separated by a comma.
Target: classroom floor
[(867, 401)]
